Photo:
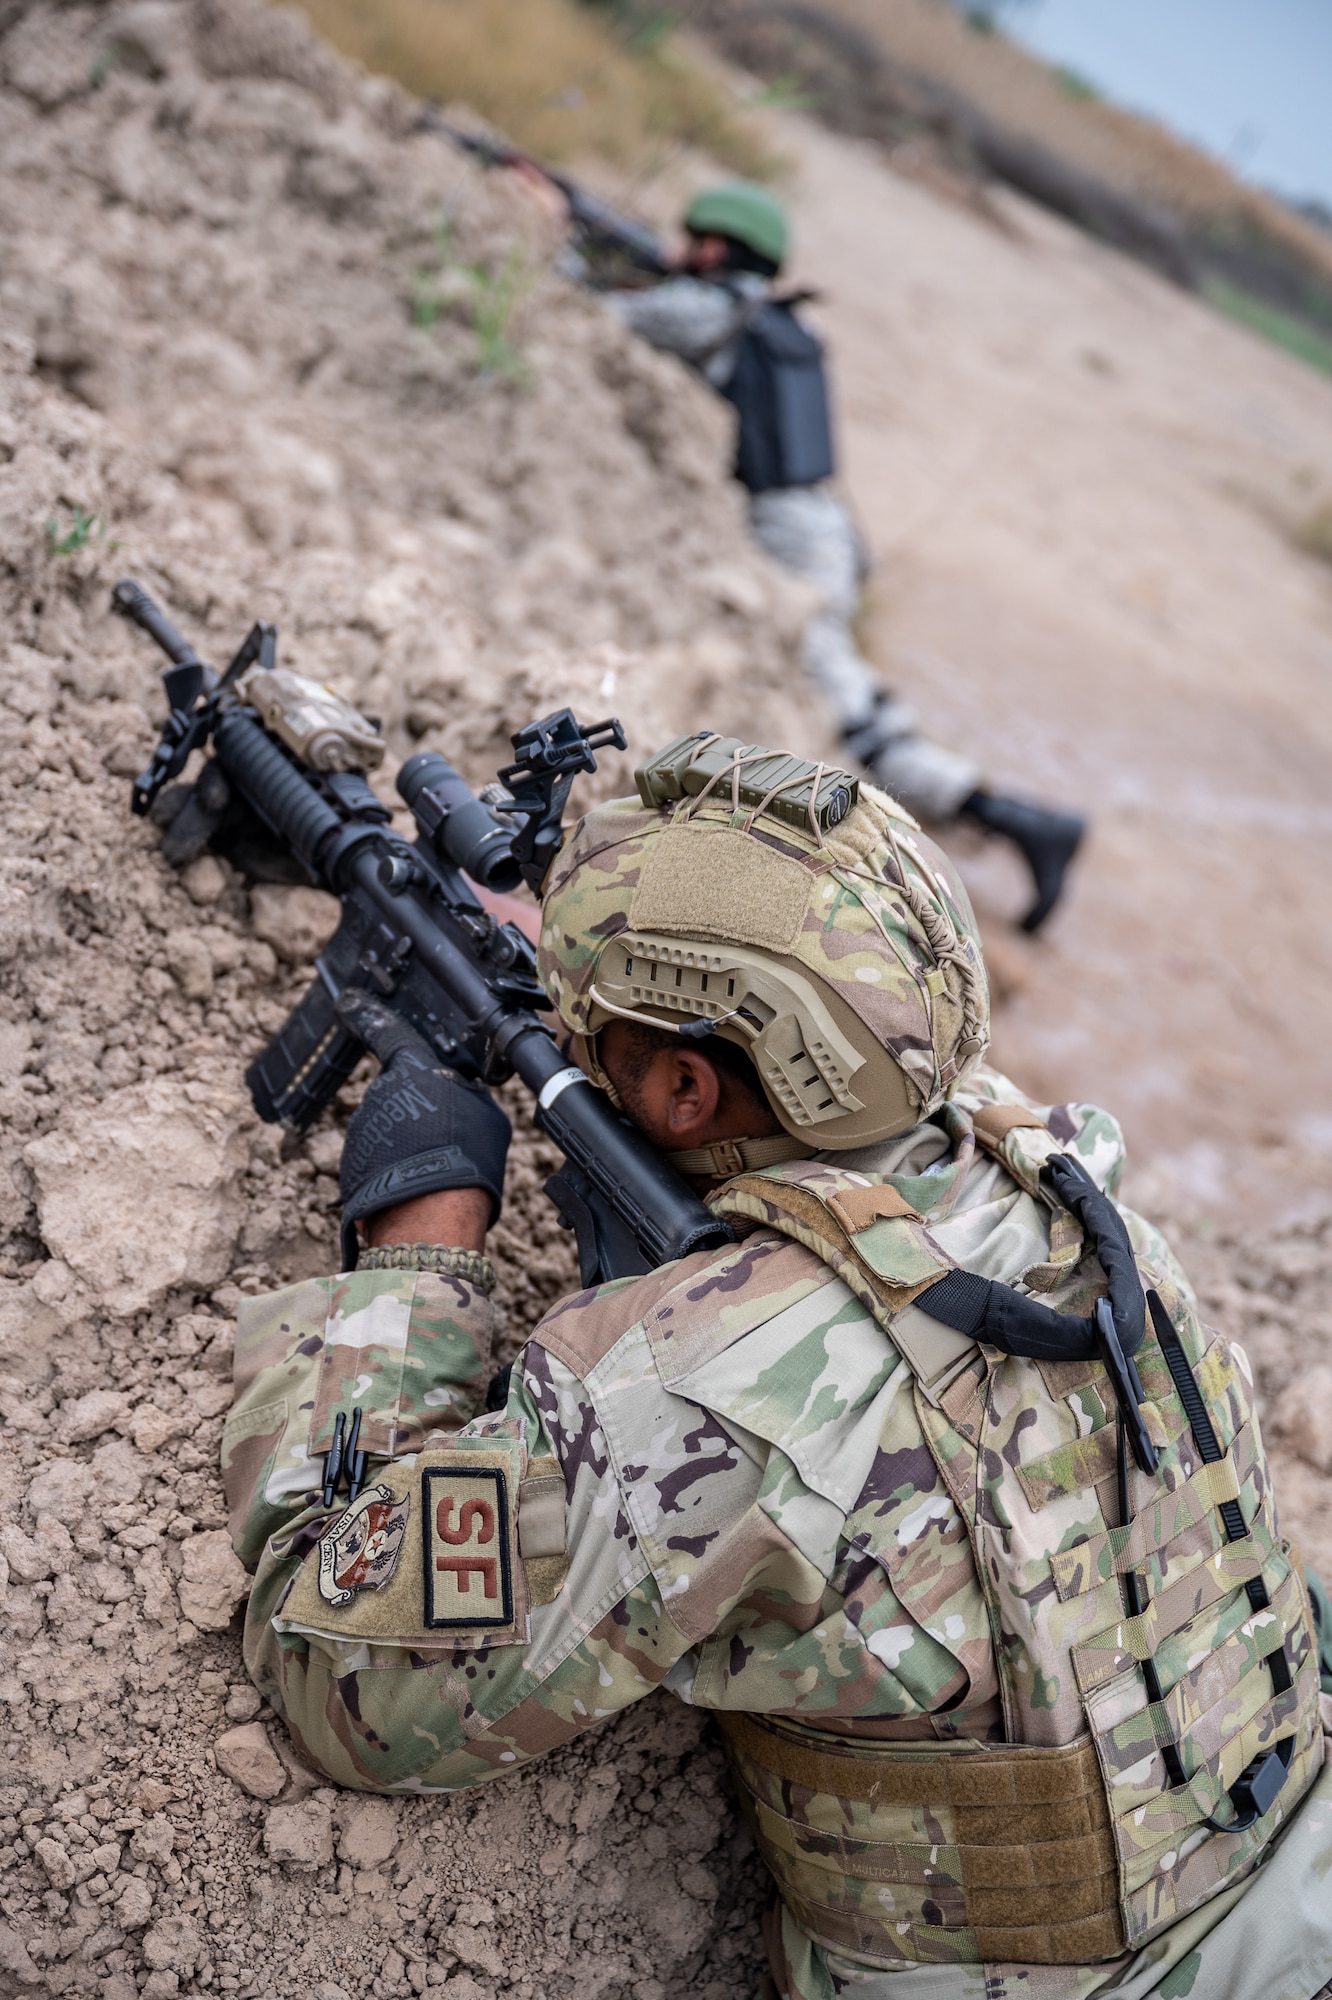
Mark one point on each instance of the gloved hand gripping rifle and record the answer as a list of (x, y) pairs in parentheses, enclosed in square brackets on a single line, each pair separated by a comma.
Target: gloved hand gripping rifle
[(287, 771)]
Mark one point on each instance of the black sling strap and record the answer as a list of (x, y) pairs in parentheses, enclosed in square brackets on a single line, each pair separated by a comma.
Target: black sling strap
[(988, 1310)]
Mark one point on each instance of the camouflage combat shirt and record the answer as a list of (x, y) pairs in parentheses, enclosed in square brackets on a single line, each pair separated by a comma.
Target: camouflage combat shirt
[(708, 1479)]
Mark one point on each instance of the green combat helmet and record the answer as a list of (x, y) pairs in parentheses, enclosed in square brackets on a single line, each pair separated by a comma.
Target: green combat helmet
[(788, 908), (747, 214)]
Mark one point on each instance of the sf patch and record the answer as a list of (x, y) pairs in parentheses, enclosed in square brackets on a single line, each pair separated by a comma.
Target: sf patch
[(465, 1546), (361, 1549)]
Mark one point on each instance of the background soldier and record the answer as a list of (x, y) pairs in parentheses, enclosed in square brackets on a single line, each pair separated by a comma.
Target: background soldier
[(1017, 1677), (720, 313)]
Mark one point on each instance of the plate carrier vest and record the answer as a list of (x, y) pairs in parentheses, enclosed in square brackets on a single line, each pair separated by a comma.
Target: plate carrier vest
[(779, 388), (1153, 1635)]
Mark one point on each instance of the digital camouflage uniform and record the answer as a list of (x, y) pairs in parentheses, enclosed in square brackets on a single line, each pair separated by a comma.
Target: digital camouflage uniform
[(721, 1486), (808, 530)]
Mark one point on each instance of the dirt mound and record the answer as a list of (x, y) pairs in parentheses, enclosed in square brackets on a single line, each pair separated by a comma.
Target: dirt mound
[(258, 351), (271, 351)]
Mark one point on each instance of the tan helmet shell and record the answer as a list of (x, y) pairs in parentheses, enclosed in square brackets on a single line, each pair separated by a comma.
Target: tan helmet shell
[(850, 972)]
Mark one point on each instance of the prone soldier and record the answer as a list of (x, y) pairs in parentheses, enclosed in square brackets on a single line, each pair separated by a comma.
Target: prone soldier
[(931, 1487)]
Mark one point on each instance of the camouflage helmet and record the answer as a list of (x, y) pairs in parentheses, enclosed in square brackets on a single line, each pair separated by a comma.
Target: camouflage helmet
[(810, 921), (747, 214)]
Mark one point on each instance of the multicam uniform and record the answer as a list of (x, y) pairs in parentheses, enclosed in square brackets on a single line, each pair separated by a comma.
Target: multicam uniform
[(730, 1479), (808, 529), (993, 1695)]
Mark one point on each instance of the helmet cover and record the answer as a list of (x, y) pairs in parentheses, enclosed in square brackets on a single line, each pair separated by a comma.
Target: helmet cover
[(846, 962)]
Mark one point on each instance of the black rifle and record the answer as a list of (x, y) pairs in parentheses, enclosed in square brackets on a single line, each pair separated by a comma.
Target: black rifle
[(283, 776), (606, 238)]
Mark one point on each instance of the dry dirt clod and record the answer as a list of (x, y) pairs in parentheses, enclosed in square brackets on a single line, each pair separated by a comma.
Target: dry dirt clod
[(60, 1870), (188, 957), (246, 1756), (296, 922), (134, 1904), (173, 1945), (212, 1582), (301, 1835), (152, 1428), (15, 1959), (475, 1948), (205, 880), (152, 1795), (1303, 1416), (210, 1394), (369, 1832), (180, 1158), (243, 1702), (62, 1490), (88, 1416)]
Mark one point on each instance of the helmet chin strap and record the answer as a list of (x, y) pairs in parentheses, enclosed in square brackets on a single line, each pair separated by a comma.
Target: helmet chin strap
[(725, 1158)]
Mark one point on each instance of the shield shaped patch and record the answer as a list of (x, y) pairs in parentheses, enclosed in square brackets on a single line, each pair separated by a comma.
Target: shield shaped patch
[(361, 1549)]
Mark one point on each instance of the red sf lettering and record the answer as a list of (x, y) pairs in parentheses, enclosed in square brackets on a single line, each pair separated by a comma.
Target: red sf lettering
[(464, 1568), (470, 1512)]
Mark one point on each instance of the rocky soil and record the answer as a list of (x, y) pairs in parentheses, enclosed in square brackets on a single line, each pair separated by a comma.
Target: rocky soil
[(242, 360), (248, 353)]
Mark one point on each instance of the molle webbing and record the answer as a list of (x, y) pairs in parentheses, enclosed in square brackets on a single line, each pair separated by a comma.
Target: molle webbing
[(1153, 1624), (990, 1852)]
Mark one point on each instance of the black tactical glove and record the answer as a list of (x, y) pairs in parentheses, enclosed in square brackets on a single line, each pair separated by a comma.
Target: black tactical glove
[(419, 1127)]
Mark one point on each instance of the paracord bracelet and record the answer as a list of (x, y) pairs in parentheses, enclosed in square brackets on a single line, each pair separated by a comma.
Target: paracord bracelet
[(473, 1265)]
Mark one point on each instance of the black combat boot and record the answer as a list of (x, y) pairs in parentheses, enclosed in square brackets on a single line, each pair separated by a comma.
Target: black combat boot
[(1047, 842)]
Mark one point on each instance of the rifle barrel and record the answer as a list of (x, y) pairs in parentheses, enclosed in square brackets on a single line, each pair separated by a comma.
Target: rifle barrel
[(134, 603)]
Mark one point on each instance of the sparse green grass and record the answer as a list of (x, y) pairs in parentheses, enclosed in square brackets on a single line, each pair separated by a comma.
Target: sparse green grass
[(487, 296), (84, 529), (496, 295), (1315, 533), (560, 79), (784, 93), (1074, 84), (1296, 336)]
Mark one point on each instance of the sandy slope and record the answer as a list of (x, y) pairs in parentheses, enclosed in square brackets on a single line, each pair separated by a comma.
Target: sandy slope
[(1080, 488)]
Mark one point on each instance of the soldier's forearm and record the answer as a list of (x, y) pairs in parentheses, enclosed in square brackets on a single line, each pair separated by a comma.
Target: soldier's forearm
[(455, 1218)]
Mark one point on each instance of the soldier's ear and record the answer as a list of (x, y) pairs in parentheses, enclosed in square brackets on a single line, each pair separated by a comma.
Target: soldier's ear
[(694, 1094)]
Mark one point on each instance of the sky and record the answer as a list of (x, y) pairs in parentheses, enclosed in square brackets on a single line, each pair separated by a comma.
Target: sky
[(1251, 80)]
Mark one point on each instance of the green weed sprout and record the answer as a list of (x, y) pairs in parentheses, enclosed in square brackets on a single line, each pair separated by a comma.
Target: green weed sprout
[(495, 298), (784, 93), (86, 528), (490, 297)]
